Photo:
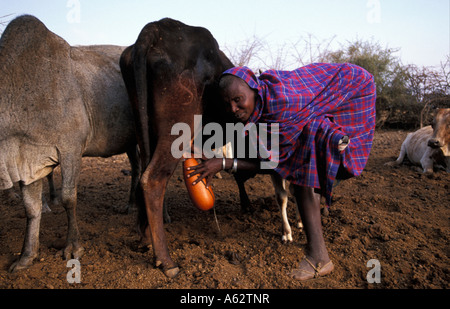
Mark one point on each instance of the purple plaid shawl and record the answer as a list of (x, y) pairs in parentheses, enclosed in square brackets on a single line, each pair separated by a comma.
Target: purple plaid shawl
[(315, 106)]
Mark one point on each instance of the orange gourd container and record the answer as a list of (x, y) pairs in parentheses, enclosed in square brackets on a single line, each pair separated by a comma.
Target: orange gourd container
[(203, 198)]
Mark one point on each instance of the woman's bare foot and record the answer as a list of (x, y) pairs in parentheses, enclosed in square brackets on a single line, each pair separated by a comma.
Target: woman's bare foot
[(308, 269)]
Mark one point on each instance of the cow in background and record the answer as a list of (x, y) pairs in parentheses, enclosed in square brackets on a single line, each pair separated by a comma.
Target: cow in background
[(171, 74), (440, 140), (428, 146), (57, 104)]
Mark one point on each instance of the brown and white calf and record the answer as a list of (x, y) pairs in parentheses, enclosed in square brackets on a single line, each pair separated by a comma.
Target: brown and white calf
[(428, 146), (281, 196)]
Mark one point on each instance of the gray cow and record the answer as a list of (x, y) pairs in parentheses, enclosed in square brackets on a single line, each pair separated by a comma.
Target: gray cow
[(57, 104)]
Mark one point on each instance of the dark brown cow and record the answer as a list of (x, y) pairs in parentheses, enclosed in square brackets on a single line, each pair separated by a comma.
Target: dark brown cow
[(171, 74)]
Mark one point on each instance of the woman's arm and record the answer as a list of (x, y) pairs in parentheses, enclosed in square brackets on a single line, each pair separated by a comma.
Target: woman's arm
[(207, 169)]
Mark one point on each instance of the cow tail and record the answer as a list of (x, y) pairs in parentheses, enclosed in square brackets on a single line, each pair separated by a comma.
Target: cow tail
[(140, 77), (142, 219), (142, 125)]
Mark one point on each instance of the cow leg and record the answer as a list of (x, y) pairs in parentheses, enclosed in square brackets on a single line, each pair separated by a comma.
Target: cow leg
[(32, 198), (154, 182), (70, 170), (427, 161), (166, 215), (298, 218), (133, 158), (243, 196), (281, 196), (299, 223), (52, 189)]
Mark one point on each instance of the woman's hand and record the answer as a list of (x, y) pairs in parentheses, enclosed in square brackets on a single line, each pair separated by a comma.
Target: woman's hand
[(206, 170)]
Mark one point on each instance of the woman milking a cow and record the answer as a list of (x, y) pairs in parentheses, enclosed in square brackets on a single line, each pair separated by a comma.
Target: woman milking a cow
[(326, 119)]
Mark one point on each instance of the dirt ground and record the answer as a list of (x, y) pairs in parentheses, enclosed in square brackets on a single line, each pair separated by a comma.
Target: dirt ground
[(395, 215)]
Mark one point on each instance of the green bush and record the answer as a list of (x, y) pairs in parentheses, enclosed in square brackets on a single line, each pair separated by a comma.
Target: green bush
[(407, 96)]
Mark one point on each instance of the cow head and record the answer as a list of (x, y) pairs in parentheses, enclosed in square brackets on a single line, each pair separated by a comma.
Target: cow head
[(441, 129)]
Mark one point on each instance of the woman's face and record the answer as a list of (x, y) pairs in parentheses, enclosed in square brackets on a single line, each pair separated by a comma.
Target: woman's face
[(241, 99)]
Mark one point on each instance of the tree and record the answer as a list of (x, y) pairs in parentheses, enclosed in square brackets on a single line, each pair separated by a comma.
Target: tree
[(244, 52), (380, 62), (407, 95), (4, 22), (430, 87), (311, 49)]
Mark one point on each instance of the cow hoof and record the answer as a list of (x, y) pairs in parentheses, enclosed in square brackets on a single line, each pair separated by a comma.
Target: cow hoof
[(172, 272), (22, 263), (286, 238), (71, 251)]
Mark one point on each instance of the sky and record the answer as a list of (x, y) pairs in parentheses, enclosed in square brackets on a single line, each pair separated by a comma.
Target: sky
[(420, 29)]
